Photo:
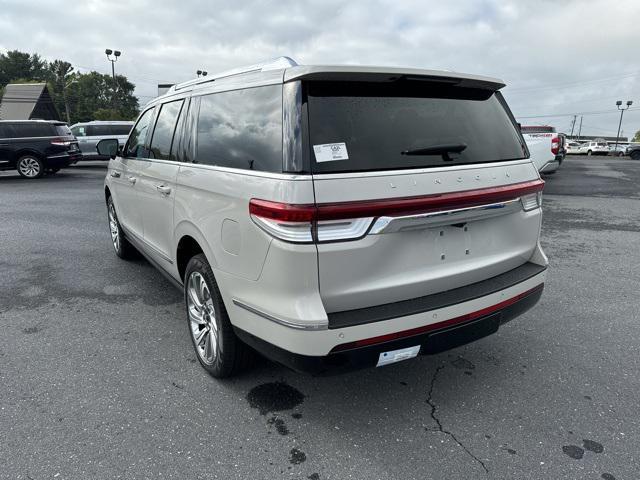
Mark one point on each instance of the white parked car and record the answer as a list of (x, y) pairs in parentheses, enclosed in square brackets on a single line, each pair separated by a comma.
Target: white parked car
[(573, 147), (332, 217), (594, 148), (546, 147)]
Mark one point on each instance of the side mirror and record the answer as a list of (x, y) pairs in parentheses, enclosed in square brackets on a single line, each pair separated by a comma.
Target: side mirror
[(108, 147)]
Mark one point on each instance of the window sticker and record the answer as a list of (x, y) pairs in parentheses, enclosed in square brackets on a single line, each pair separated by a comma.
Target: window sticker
[(330, 152)]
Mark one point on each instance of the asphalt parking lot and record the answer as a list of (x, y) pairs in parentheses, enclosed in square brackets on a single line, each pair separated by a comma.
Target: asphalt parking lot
[(99, 379)]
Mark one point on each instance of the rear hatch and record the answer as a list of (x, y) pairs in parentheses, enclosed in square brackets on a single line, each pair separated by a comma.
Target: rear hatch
[(420, 187), (65, 138)]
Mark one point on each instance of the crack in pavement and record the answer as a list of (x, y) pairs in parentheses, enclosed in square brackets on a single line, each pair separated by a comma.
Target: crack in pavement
[(439, 424)]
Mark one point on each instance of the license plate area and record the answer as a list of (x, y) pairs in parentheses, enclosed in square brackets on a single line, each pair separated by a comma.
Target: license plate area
[(394, 356)]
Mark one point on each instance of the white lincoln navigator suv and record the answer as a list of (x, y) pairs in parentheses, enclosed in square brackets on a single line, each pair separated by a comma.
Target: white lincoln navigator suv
[(332, 217)]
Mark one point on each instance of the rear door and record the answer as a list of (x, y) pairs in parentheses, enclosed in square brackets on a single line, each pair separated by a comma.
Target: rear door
[(157, 183), (431, 175)]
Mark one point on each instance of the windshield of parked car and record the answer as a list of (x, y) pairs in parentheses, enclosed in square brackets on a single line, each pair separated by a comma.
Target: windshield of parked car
[(357, 126)]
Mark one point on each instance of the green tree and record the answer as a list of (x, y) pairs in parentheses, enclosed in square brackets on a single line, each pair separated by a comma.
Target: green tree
[(60, 77), (15, 65), (637, 137), (92, 93)]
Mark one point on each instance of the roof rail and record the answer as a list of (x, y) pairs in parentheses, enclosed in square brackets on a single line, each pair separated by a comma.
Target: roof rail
[(274, 64)]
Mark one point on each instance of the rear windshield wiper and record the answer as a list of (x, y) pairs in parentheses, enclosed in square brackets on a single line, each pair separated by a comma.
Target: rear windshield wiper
[(444, 150)]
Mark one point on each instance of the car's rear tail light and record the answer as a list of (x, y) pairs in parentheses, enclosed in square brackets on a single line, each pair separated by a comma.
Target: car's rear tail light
[(331, 222), (61, 141), (555, 145), (291, 223)]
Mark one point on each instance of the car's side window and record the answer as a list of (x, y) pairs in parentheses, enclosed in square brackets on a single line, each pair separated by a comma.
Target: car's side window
[(164, 132), (137, 144), (79, 131), (6, 131), (241, 129), (35, 130)]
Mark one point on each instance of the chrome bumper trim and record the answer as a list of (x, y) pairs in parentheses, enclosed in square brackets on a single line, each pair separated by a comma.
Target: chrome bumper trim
[(279, 321), (447, 217)]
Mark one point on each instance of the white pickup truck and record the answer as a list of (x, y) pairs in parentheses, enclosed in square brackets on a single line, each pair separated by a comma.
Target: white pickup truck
[(546, 147)]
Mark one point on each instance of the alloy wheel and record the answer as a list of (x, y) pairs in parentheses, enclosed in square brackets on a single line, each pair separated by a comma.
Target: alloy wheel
[(202, 318), (113, 227), (29, 167)]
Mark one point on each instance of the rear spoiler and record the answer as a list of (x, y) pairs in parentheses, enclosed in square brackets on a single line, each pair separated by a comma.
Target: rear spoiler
[(388, 74)]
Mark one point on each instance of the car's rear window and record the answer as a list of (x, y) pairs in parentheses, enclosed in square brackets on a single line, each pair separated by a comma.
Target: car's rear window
[(369, 126), (120, 129), (63, 130)]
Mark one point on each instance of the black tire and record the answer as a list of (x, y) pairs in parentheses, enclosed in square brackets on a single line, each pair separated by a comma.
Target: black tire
[(228, 355), (589, 153), (635, 155), (121, 245), (30, 166)]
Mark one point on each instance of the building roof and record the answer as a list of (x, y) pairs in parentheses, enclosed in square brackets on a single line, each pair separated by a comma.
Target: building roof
[(26, 101)]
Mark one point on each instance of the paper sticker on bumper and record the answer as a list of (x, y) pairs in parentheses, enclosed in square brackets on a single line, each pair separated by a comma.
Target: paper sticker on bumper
[(397, 355), (330, 152)]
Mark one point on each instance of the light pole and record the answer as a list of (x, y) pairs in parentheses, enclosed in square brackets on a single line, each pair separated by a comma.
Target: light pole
[(116, 54), (201, 72), (622, 109)]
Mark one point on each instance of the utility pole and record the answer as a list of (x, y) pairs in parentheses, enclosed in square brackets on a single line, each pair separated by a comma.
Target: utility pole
[(573, 124), (622, 109), (580, 128)]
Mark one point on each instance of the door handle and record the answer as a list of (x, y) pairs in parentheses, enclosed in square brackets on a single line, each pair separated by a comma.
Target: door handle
[(132, 180), (115, 174), (163, 189)]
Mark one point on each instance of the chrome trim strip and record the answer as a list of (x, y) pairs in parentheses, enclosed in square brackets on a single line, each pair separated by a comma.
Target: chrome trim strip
[(431, 219), (144, 244), (416, 171), (279, 321)]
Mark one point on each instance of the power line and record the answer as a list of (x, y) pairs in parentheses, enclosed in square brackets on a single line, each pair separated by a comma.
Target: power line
[(569, 84), (597, 112)]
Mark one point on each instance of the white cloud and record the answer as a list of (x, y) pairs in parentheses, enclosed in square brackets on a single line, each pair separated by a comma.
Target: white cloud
[(548, 52)]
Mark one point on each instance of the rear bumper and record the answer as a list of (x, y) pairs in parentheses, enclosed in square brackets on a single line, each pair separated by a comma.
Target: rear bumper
[(551, 166), (431, 339), (61, 161)]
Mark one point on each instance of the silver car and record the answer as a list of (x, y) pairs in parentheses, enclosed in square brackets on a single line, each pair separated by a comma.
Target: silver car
[(332, 217), (90, 133)]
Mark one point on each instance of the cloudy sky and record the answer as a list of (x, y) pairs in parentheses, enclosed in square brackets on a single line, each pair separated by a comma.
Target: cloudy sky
[(558, 58)]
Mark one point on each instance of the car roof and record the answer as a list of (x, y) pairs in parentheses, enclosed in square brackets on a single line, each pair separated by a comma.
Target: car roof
[(52, 122), (105, 122), (284, 69)]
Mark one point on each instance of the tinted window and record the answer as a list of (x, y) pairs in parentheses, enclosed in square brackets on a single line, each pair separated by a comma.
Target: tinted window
[(119, 129), (165, 128), (241, 129), (98, 130), (62, 130), (136, 145), (389, 126), (5, 130), (79, 131), (32, 129)]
